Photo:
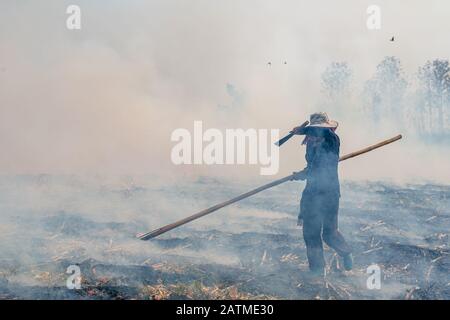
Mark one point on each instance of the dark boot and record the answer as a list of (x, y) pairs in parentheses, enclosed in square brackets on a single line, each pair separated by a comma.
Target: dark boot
[(316, 260), (348, 262)]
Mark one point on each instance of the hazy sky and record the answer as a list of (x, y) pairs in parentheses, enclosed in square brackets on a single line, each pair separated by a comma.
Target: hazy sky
[(106, 98)]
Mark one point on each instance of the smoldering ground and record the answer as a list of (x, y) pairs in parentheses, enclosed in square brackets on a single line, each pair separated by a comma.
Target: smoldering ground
[(253, 249)]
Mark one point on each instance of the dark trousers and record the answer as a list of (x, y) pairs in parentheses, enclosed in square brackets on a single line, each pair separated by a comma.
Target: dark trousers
[(319, 212)]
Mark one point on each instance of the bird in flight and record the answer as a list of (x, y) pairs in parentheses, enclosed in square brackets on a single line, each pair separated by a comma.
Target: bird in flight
[(269, 63), (392, 39)]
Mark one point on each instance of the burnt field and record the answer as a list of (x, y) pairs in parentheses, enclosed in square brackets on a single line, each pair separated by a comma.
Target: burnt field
[(252, 249)]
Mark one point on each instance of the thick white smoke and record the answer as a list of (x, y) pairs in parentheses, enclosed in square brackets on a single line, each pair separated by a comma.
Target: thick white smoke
[(107, 97)]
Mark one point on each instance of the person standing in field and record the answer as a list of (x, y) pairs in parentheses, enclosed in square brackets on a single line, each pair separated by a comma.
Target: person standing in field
[(319, 205)]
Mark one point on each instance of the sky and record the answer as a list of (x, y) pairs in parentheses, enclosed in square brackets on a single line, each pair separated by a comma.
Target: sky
[(106, 98)]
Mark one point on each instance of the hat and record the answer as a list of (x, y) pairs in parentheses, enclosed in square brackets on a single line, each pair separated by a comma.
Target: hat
[(320, 119)]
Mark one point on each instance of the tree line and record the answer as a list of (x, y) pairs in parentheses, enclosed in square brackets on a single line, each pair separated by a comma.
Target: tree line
[(418, 104)]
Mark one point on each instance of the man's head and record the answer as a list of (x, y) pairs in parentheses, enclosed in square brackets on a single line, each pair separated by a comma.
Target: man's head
[(321, 120)]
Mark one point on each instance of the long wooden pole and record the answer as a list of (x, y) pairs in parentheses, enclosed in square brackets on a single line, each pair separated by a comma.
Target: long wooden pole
[(159, 231)]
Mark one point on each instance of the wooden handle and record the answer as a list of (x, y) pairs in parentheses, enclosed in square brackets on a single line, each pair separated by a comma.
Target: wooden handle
[(202, 213), (370, 148), (157, 232)]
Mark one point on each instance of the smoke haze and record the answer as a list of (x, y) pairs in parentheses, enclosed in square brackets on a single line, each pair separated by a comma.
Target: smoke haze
[(86, 118), (105, 99)]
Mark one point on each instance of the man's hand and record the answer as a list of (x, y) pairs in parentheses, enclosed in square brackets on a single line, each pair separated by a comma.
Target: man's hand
[(296, 130), (300, 175), (299, 129)]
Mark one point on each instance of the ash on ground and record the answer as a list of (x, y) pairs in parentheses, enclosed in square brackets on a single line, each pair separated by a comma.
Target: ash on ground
[(250, 250)]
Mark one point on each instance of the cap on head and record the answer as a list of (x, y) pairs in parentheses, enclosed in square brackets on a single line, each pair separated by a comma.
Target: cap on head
[(320, 119)]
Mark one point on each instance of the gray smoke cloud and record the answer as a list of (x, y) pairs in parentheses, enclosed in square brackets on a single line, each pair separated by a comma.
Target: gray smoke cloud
[(106, 98), (79, 109)]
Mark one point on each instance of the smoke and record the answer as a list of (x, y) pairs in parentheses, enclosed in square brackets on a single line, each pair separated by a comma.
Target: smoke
[(86, 116), (106, 98)]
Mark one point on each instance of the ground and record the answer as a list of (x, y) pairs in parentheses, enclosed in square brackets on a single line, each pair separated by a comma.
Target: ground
[(252, 249)]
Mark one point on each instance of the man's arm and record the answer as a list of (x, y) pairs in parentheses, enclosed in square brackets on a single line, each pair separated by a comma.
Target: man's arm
[(331, 139), (313, 131), (300, 175)]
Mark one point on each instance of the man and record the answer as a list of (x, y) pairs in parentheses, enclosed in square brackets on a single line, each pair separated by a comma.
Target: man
[(319, 205)]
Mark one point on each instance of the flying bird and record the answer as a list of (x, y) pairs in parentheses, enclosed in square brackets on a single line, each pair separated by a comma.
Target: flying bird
[(269, 63), (285, 62), (392, 39)]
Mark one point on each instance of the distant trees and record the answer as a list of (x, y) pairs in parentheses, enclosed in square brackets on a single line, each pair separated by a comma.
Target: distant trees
[(420, 106), (336, 87), (384, 93), (433, 97), (336, 79), (236, 96)]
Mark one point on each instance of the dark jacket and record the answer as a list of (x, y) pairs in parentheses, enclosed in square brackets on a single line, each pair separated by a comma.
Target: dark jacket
[(322, 160)]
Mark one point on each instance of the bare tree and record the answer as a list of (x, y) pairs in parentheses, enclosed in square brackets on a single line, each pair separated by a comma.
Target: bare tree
[(434, 94), (383, 94), (336, 86)]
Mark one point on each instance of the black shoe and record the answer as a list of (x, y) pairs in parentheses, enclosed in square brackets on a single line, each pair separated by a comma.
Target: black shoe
[(315, 275), (348, 262)]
